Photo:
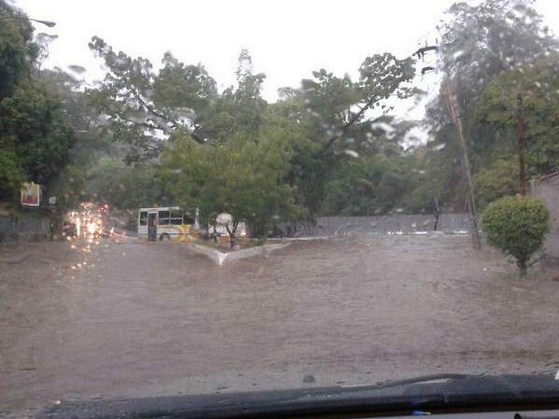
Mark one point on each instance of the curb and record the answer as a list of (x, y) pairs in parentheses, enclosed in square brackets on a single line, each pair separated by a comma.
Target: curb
[(220, 257), (15, 258)]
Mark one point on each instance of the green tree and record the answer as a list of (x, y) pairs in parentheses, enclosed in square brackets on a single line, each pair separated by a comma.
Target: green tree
[(326, 118), (125, 186), (17, 49), (335, 115), (500, 180), (35, 134), (11, 176), (241, 177), (179, 86), (239, 110), (373, 184), (34, 124), (144, 108), (537, 85), (69, 188), (91, 139), (484, 40), (517, 226), (479, 44)]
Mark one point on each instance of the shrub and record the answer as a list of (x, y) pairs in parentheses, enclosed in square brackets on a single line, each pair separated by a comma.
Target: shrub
[(517, 226)]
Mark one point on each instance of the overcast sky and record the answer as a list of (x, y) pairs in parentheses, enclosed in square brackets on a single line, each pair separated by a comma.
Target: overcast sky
[(287, 39)]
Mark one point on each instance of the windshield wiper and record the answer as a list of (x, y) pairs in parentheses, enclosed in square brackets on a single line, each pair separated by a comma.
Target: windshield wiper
[(424, 379), (433, 393)]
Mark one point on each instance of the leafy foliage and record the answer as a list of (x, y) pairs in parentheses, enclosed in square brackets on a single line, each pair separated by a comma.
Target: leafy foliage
[(485, 40), (16, 48), (69, 188), (333, 146), (124, 186), (376, 184), (517, 226), (492, 51), (35, 126), (143, 108), (320, 122), (243, 178), (336, 115), (537, 85), (500, 180), (35, 134), (11, 176)]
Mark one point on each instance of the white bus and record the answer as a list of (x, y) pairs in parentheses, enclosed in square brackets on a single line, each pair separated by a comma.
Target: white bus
[(164, 223)]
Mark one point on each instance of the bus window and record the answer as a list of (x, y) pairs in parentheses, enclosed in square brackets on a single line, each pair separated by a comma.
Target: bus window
[(143, 218), (188, 218), (176, 217), (164, 217)]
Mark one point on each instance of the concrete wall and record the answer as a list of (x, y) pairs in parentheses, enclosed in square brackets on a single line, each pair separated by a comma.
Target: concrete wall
[(382, 224), (23, 227), (547, 189)]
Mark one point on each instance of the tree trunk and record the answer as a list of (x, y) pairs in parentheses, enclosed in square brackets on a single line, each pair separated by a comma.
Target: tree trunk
[(521, 134), (522, 268), (231, 232)]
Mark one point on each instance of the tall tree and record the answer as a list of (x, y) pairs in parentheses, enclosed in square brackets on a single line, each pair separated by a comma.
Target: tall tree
[(145, 108), (336, 114), (17, 49), (35, 134), (537, 84), (479, 43), (241, 177), (35, 126), (239, 110)]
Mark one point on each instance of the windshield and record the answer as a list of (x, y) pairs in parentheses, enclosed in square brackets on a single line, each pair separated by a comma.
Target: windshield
[(224, 196)]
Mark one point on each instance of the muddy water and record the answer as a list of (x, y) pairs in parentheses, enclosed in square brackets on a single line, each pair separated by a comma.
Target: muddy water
[(101, 320)]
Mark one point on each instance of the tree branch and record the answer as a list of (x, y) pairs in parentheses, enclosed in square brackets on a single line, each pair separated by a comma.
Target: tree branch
[(350, 123), (154, 112)]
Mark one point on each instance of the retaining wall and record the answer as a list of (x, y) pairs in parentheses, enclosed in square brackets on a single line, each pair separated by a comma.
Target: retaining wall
[(23, 227), (381, 224)]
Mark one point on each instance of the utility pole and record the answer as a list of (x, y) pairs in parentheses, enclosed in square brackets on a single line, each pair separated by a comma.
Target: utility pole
[(451, 102), (449, 93)]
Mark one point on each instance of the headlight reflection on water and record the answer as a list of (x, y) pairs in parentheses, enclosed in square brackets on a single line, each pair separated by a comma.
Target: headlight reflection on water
[(84, 248)]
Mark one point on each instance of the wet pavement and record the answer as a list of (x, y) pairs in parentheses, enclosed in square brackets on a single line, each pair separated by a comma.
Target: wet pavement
[(110, 319)]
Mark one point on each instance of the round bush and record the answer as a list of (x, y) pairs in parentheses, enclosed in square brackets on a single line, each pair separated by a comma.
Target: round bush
[(517, 226)]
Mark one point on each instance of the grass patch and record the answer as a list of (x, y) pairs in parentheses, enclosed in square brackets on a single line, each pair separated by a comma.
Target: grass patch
[(223, 244)]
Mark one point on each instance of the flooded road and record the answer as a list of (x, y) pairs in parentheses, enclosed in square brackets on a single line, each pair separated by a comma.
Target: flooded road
[(103, 320)]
